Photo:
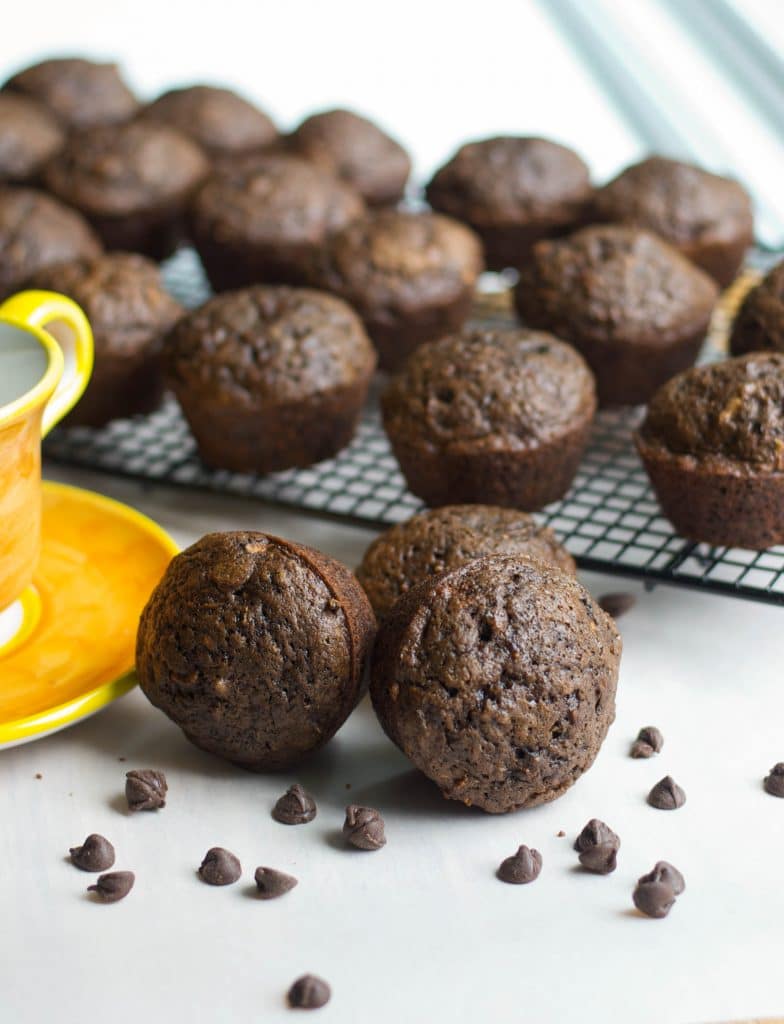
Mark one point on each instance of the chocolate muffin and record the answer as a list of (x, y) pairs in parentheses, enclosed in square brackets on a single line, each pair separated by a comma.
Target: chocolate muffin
[(36, 231), (707, 217), (221, 122), (439, 540), (493, 415), (270, 377), (759, 325), (256, 647), (29, 137), (713, 445), (80, 92), (357, 151), (133, 182), (410, 276), (265, 219), (130, 312), (498, 681), (636, 309), (513, 191)]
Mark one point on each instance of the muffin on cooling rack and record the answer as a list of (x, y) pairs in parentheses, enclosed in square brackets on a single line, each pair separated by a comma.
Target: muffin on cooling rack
[(636, 309), (707, 217), (37, 231), (441, 539), (410, 276), (759, 324), (513, 191), (270, 377), (265, 219), (30, 136), (713, 445), (221, 122), (358, 151), (80, 92), (498, 681), (491, 415), (288, 634), (133, 182), (130, 312)]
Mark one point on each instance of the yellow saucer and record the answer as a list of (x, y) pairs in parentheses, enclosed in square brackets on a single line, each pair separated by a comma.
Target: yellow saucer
[(100, 561)]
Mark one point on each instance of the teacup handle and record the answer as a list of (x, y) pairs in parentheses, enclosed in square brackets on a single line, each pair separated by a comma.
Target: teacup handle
[(38, 309)]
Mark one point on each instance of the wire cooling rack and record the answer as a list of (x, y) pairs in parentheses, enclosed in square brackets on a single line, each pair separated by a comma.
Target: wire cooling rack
[(609, 521)]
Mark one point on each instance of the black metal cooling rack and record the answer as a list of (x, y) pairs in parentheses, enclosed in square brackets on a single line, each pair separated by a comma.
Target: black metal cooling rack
[(610, 520)]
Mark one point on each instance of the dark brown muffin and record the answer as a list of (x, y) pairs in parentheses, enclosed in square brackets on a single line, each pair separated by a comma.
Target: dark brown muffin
[(255, 646), (410, 276), (493, 416), (80, 92), (513, 191), (357, 151), (36, 231), (29, 137), (265, 219), (636, 309), (221, 122), (498, 681), (759, 324), (133, 182), (130, 312), (439, 540), (713, 445), (270, 377), (707, 217)]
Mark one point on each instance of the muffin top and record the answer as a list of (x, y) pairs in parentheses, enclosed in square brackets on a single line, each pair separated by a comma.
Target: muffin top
[(117, 170), (357, 151), (222, 122), (679, 201), (733, 410), (29, 136), (441, 539), (35, 231), (397, 260), (80, 92), (612, 283), (267, 344), (510, 179), (487, 389), (122, 296), (760, 321)]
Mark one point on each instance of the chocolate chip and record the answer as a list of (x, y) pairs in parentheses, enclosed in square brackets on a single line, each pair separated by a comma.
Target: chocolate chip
[(653, 898), (521, 868), (560, 834), (38, 775), (145, 789), (666, 795), (364, 828), (665, 872), (95, 854), (114, 886), (309, 993), (594, 833), (617, 604), (774, 781), (295, 807), (272, 883), (649, 742), (598, 847), (219, 867)]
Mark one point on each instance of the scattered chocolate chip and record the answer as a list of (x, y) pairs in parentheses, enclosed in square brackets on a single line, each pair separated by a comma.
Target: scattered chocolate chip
[(594, 833), (122, 758), (38, 775), (666, 795), (272, 883), (219, 867), (309, 993), (598, 847), (560, 834), (114, 886), (649, 742), (665, 872), (617, 604), (653, 899), (295, 807), (774, 781), (145, 789), (364, 828), (95, 854), (522, 867), (348, 785)]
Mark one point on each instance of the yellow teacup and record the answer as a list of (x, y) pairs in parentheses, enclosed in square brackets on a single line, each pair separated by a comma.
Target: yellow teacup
[(41, 379)]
